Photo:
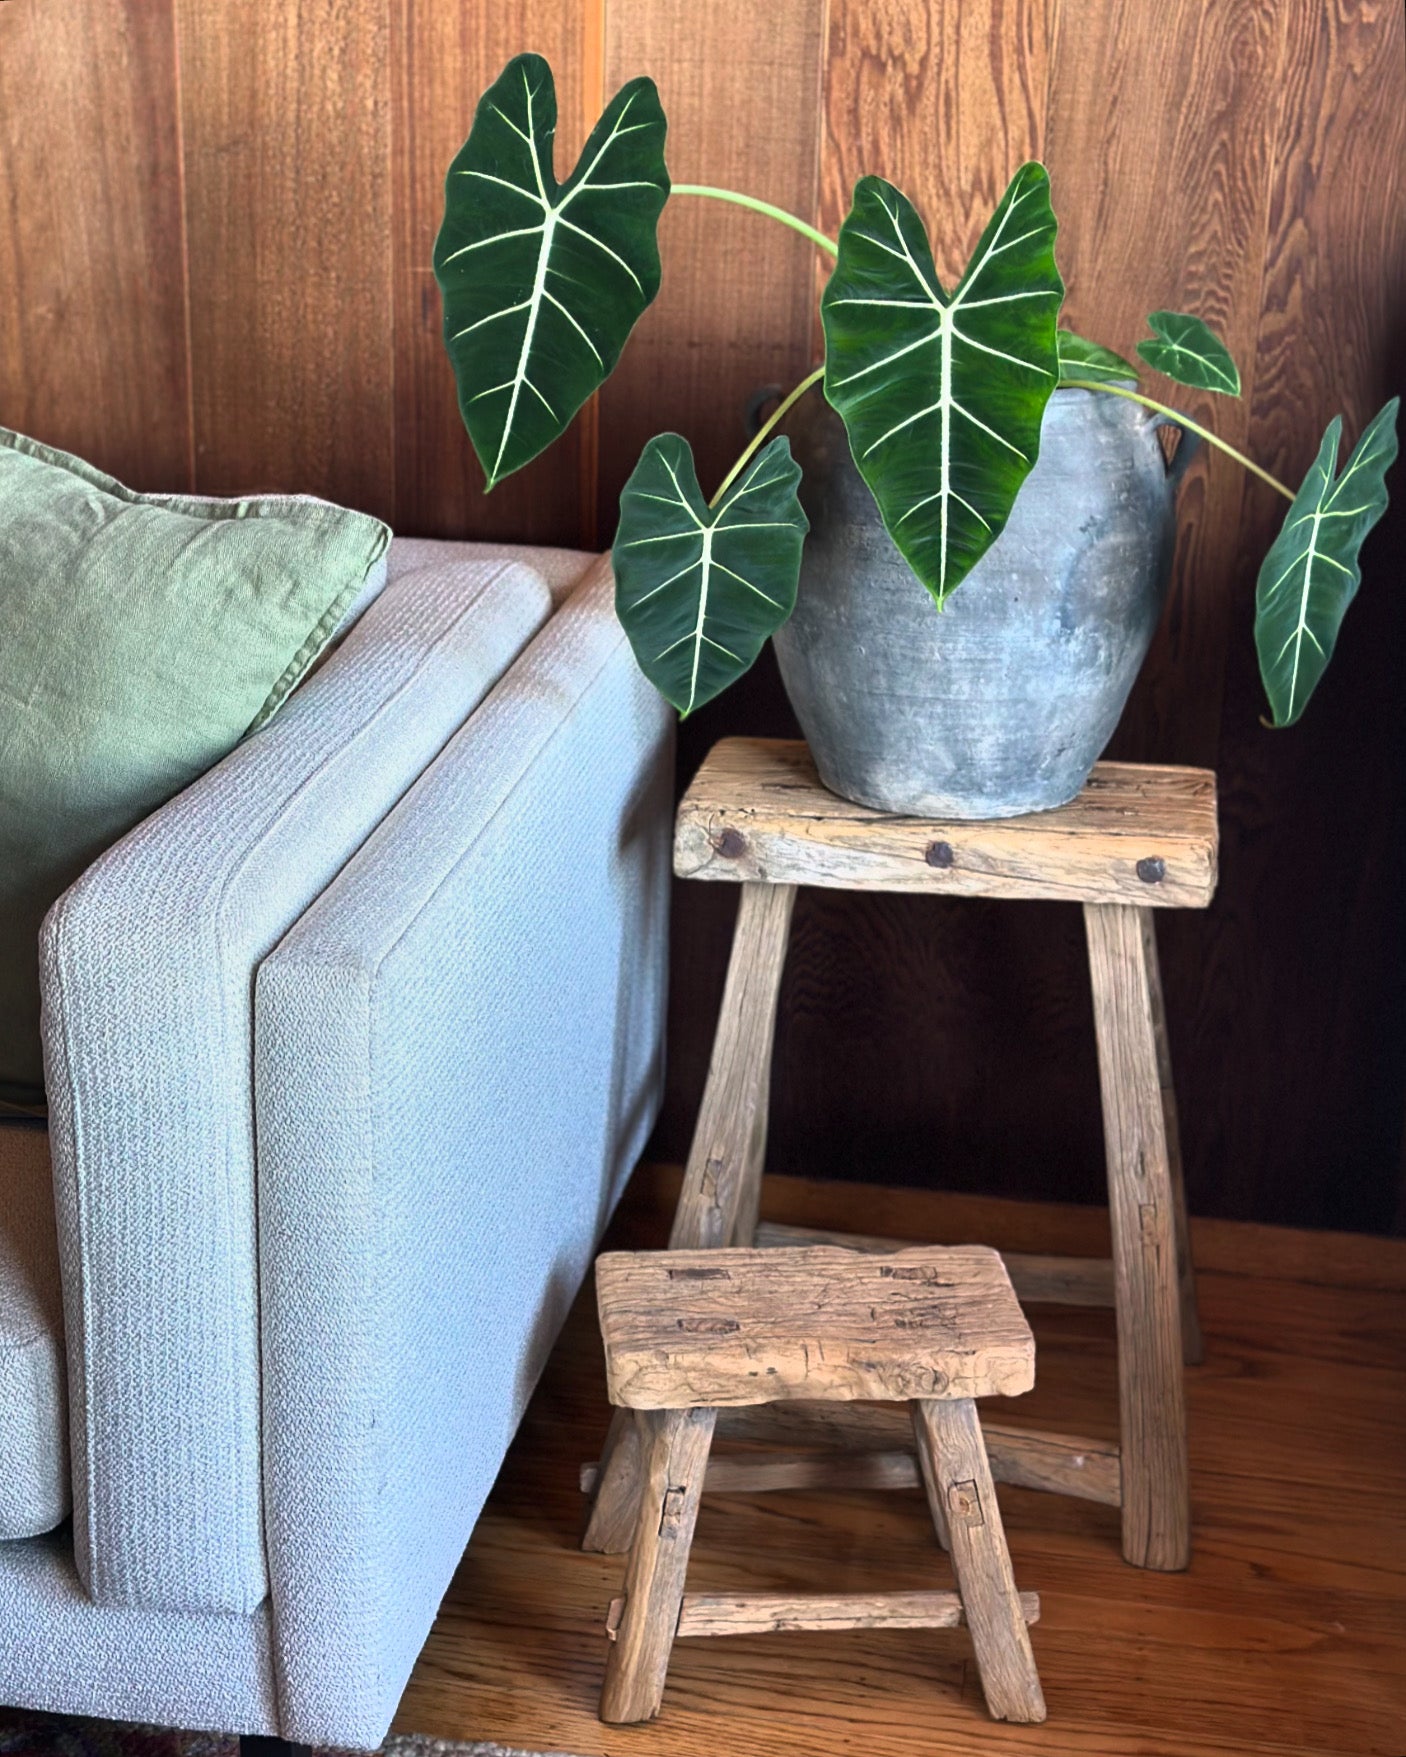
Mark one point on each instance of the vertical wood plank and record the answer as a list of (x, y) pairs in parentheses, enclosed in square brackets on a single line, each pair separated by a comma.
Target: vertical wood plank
[(92, 269), (286, 122), (1163, 204), (1325, 801), (945, 100), (443, 58), (739, 84)]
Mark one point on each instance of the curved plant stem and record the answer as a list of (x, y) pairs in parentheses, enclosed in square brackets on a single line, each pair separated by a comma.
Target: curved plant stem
[(761, 207), (776, 415), (1181, 420)]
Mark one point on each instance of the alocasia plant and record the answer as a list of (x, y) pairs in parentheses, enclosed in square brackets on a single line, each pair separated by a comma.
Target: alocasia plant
[(942, 394)]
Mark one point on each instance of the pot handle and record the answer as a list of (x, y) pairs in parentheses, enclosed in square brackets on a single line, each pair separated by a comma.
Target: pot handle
[(1187, 448)]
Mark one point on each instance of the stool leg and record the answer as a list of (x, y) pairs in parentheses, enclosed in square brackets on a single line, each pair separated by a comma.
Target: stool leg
[(611, 1527), (949, 1439), (931, 1487), (1192, 1351), (722, 1182), (674, 1458), (1151, 1393)]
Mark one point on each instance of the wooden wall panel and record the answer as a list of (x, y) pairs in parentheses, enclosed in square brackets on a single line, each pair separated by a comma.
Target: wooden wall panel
[(1307, 1010), (443, 57), (286, 121), (1160, 152), (739, 84), (92, 271), (946, 101)]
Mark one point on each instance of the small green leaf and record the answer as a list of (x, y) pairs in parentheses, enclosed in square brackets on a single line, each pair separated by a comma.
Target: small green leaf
[(1191, 353), (699, 589), (1311, 573), (943, 394), (1079, 359), (542, 282)]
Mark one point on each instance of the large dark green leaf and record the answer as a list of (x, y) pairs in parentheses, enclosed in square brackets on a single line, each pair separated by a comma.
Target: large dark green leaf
[(699, 589), (942, 395), (1087, 362), (543, 282), (1190, 352), (1311, 573)]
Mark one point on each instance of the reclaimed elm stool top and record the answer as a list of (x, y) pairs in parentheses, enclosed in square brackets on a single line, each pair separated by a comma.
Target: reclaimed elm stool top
[(684, 1329), (689, 1332), (1137, 834)]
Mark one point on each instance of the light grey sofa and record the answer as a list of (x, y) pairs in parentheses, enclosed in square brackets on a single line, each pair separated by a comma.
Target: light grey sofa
[(349, 1050)]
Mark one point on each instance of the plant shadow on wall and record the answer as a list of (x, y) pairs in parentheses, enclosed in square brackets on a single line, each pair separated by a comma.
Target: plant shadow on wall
[(967, 438)]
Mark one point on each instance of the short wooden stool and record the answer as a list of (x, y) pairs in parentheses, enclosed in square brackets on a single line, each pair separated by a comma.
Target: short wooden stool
[(1137, 838), (689, 1332)]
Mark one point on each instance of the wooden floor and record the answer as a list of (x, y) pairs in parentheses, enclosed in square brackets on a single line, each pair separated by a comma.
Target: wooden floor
[(1288, 1634)]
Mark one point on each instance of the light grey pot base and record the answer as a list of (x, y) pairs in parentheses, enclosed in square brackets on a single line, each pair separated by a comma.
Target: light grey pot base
[(1002, 702)]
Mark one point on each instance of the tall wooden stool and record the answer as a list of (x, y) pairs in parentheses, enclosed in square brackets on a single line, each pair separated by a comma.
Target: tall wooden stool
[(1137, 838), (689, 1332)]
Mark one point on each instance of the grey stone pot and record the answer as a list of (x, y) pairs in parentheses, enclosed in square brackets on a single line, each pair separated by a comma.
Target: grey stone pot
[(1001, 702)]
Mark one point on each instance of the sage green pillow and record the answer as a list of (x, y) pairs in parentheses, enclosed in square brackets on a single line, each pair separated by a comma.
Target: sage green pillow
[(141, 637)]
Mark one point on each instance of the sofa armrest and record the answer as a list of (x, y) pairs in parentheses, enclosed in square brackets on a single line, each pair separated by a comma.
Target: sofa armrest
[(147, 970), (458, 1058)]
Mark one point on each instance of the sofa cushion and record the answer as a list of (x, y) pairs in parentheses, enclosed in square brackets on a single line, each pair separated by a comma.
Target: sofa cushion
[(141, 637), (34, 1477), (148, 965)]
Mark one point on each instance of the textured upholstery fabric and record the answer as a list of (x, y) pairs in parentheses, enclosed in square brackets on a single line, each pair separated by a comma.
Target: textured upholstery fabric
[(458, 1057), (34, 1494), (61, 1652), (147, 967)]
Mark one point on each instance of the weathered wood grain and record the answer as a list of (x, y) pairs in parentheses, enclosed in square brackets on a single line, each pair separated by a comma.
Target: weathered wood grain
[(739, 85), (1037, 1279), (762, 1613), (286, 129), (722, 1180), (1151, 1395), (946, 101), (1166, 207), (1061, 1464), (92, 251), (971, 1529), (756, 812), (688, 1328), (442, 59), (1286, 1636), (1192, 1350), (1321, 951), (674, 1448)]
